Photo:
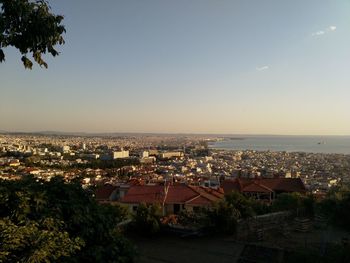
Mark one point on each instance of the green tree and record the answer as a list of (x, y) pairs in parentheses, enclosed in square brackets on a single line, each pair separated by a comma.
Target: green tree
[(223, 217), (336, 206), (64, 220), (288, 201), (243, 204), (32, 241), (302, 205), (147, 219), (30, 27)]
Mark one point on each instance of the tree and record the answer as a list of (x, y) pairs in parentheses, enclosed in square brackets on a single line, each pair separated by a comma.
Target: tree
[(147, 219), (223, 217), (243, 204), (336, 206), (36, 242), (57, 221), (30, 27), (302, 205)]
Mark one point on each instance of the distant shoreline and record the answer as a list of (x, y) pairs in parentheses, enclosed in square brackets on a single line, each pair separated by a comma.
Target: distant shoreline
[(306, 144)]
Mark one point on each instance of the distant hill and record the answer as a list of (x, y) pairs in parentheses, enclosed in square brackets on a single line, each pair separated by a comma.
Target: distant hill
[(105, 134), (118, 134)]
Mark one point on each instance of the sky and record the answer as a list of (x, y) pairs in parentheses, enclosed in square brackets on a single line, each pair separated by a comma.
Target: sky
[(188, 66)]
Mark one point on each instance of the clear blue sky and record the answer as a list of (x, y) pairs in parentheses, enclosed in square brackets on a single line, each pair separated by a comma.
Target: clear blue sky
[(267, 67)]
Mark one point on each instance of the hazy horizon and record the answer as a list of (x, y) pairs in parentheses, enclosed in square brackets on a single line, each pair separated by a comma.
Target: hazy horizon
[(169, 133), (191, 67)]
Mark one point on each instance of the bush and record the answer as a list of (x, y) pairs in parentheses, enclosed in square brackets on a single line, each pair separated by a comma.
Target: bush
[(287, 201), (146, 221), (57, 221), (223, 217), (241, 203), (336, 206), (260, 208), (194, 219), (299, 204)]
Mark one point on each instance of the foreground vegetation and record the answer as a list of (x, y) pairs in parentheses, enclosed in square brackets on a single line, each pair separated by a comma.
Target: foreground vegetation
[(58, 222)]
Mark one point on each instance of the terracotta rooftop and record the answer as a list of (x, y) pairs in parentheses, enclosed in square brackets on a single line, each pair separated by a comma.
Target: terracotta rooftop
[(264, 185), (176, 194), (256, 188), (104, 192)]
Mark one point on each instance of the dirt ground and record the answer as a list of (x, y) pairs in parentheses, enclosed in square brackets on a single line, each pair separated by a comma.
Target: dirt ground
[(187, 250), (173, 249), (312, 238)]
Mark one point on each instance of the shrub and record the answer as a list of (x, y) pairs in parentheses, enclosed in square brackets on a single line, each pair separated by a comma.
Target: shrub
[(146, 221), (223, 217), (57, 221)]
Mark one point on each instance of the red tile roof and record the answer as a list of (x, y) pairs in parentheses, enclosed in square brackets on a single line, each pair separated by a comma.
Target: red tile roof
[(285, 184), (199, 201), (208, 193), (104, 192), (264, 184), (256, 188), (176, 194), (134, 181)]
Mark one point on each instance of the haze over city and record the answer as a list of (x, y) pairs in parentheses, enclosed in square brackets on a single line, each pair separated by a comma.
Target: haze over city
[(238, 67)]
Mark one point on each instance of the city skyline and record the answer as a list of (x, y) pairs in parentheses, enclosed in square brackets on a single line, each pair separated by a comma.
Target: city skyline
[(223, 67)]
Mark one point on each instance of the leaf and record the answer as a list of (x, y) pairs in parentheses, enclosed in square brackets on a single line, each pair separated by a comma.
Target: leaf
[(2, 56), (27, 63), (30, 27)]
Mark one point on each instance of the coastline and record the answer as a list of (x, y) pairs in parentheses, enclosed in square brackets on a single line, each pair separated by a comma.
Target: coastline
[(278, 143)]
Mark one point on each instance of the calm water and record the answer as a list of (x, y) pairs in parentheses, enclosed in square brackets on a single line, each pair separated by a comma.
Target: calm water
[(316, 144)]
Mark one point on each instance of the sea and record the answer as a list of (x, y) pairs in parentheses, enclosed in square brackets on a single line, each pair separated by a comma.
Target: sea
[(310, 144)]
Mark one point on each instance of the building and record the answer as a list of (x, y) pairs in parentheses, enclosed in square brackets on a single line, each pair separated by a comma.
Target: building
[(173, 198), (91, 156), (65, 149), (168, 155), (120, 154), (144, 154), (264, 188), (108, 193)]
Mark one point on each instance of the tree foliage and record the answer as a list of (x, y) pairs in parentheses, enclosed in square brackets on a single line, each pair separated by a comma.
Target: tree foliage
[(336, 206), (146, 220), (302, 205), (36, 242), (287, 201), (58, 222), (223, 217), (243, 204), (30, 27)]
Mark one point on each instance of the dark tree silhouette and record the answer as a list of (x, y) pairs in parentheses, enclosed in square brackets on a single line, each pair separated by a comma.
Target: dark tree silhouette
[(30, 27)]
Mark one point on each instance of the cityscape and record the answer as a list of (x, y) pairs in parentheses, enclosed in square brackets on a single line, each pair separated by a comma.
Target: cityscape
[(184, 175), (177, 131), (154, 159)]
